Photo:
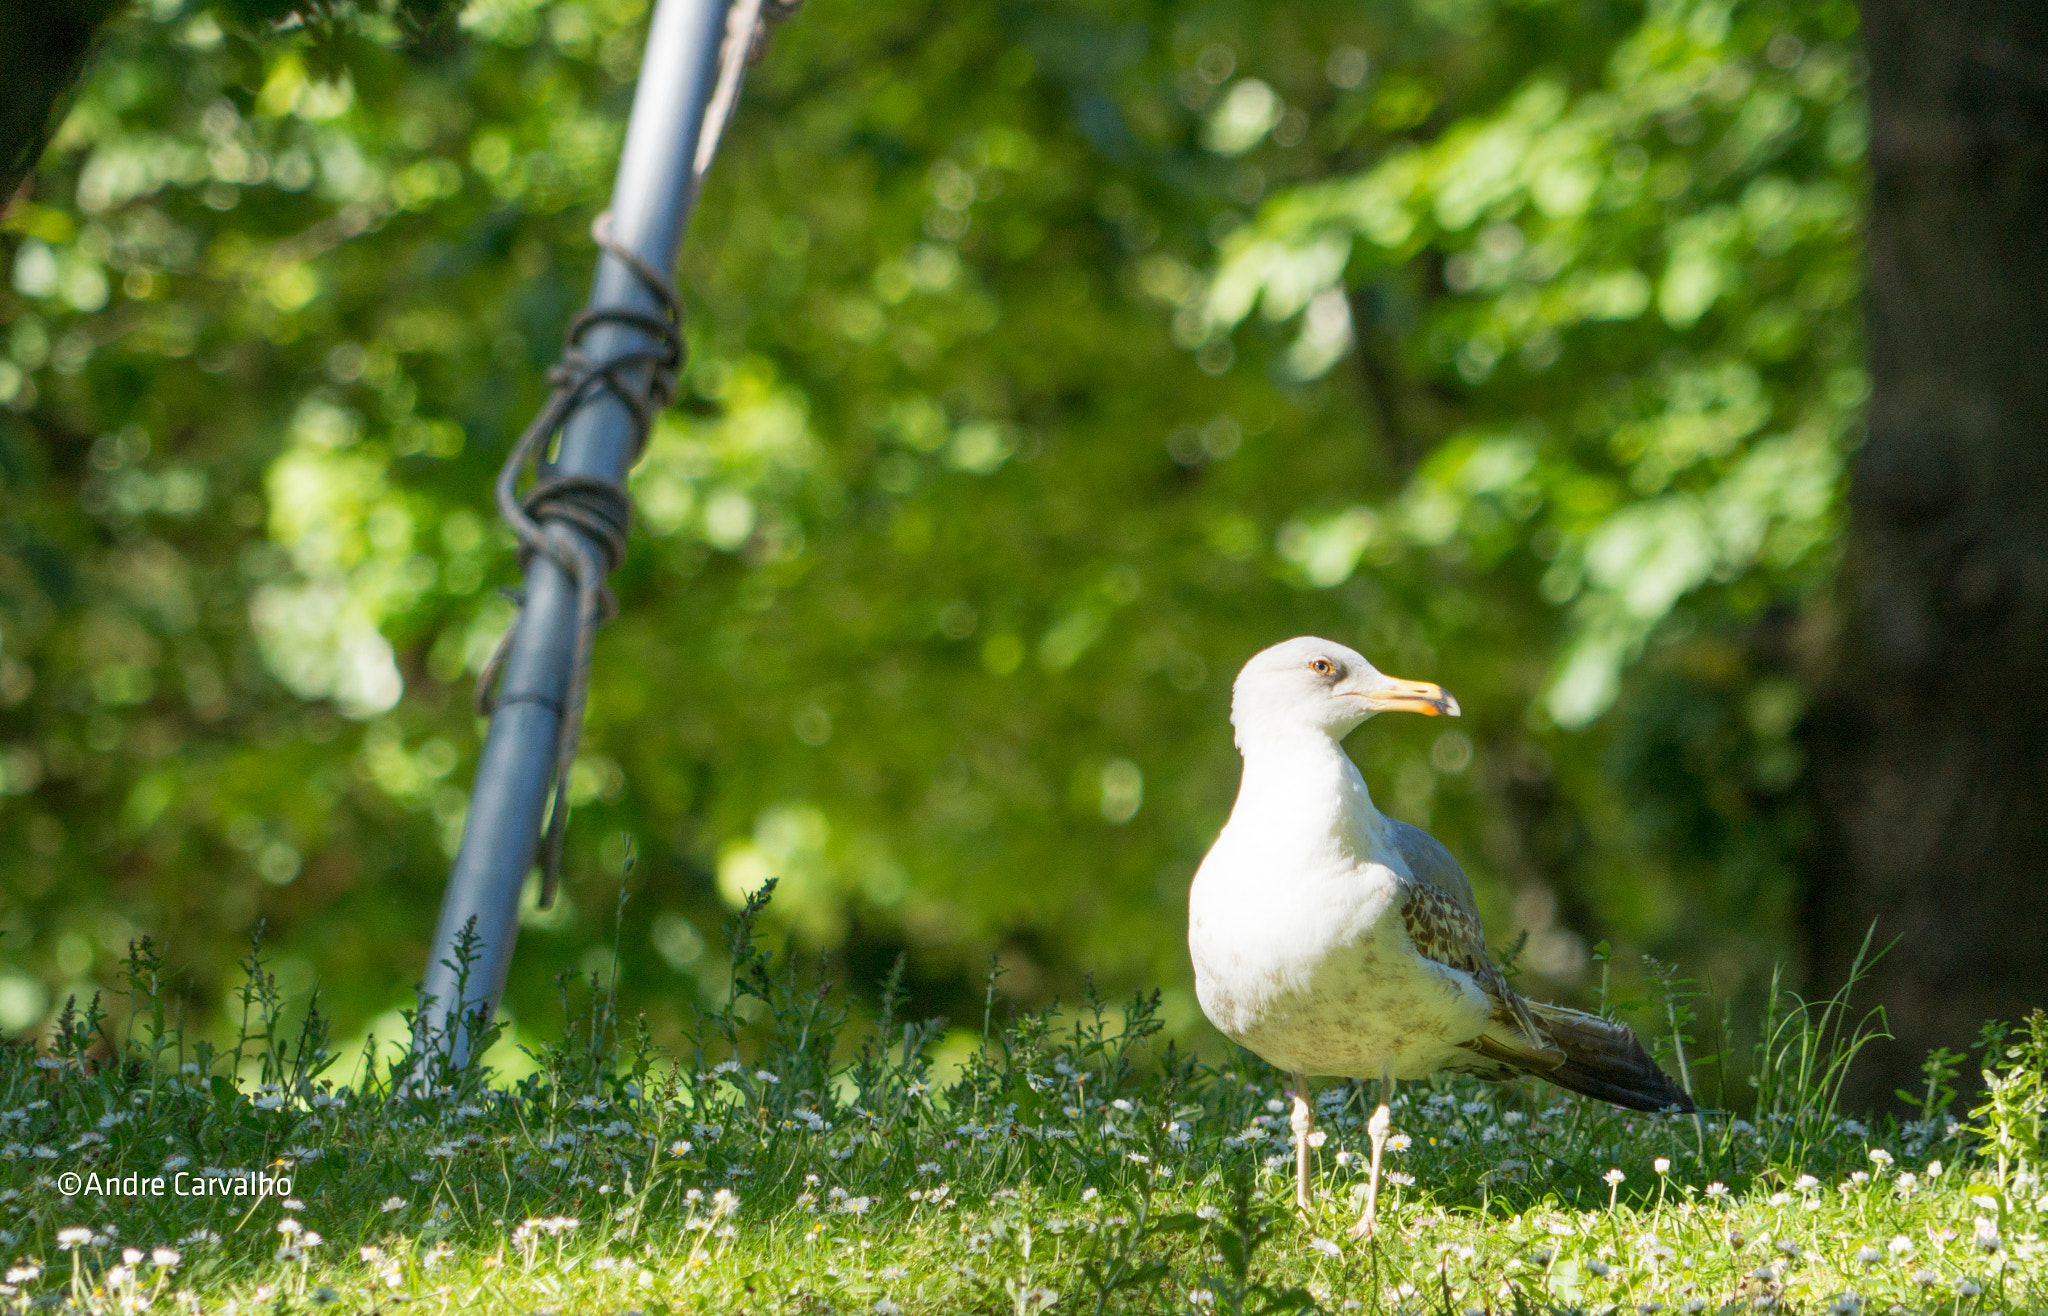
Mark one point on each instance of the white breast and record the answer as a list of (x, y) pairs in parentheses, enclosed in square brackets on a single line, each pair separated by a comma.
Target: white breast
[(1301, 956)]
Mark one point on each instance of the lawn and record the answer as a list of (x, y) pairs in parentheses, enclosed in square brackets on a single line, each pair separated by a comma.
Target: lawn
[(1074, 1164)]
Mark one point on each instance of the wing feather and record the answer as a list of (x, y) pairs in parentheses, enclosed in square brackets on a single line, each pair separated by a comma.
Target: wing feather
[(1443, 923), (1572, 1049), (1443, 930)]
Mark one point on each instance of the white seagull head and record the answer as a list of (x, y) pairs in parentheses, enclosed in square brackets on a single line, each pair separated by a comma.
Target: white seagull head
[(1313, 686)]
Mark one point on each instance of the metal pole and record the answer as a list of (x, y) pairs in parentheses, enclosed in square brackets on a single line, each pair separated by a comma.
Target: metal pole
[(651, 204)]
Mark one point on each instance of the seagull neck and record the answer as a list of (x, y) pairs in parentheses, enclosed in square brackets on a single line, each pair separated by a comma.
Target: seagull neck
[(1309, 779)]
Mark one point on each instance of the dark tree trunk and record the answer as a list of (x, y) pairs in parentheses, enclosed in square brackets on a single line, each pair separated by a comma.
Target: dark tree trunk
[(43, 49), (1929, 740)]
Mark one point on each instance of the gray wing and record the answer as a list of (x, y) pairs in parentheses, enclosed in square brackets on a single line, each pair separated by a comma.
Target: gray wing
[(1430, 862), (1573, 1050), (1443, 924)]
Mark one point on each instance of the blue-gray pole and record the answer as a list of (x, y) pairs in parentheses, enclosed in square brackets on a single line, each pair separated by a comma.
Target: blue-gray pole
[(650, 207)]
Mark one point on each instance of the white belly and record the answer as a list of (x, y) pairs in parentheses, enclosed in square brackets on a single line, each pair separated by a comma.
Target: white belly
[(1316, 975)]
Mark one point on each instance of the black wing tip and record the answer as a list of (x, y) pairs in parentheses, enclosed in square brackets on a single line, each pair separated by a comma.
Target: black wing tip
[(1642, 1086)]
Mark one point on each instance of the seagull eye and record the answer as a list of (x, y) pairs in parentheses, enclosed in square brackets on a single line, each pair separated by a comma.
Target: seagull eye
[(1321, 667)]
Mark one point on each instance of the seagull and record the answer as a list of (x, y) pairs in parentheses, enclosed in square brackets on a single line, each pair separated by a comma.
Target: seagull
[(1330, 939)]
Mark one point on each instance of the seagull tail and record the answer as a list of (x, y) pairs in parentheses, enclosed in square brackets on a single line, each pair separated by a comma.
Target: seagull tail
[(1604, 1059)]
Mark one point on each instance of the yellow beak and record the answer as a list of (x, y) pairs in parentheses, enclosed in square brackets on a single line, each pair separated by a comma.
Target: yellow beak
[(1399, 696)]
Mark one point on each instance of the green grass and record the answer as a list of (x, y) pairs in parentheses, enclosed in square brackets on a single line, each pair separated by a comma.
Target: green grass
[(1073, 1165)]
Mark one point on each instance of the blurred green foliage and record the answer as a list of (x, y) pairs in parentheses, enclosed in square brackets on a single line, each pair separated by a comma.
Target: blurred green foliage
[(1046, 361)]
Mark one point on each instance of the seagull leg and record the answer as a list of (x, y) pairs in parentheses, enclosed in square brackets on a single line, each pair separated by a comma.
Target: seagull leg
[(1303, 1120), (1381, 1124)]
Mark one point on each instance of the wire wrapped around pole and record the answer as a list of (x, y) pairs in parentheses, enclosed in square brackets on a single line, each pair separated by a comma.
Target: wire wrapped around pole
[(542, 518), (600, 508)]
